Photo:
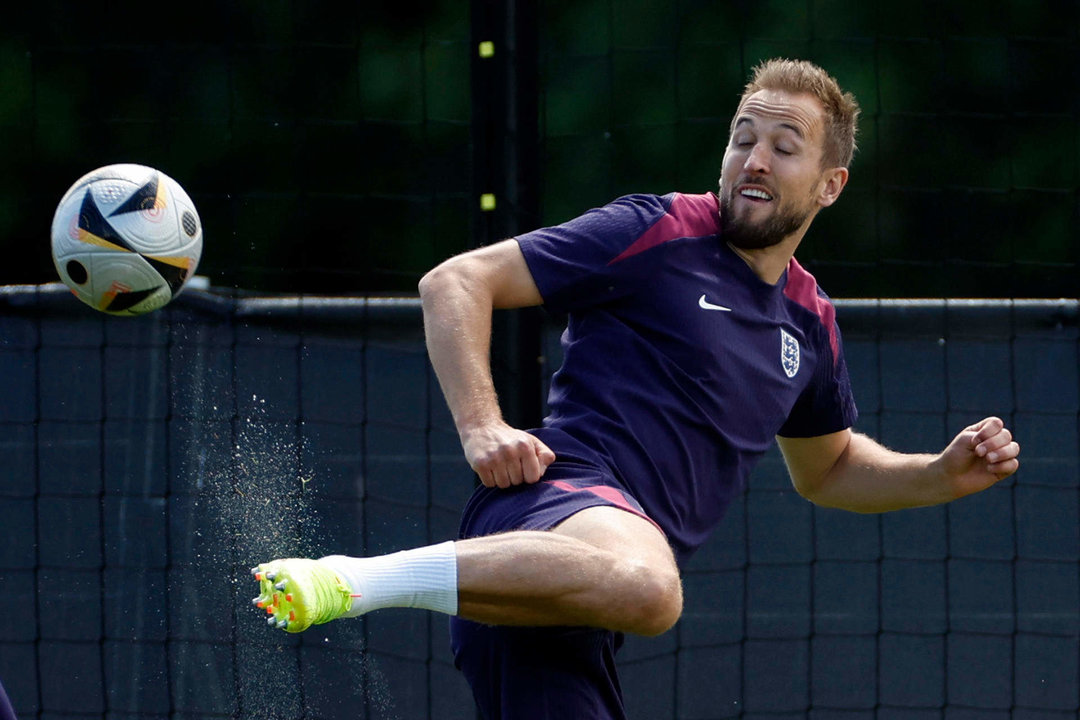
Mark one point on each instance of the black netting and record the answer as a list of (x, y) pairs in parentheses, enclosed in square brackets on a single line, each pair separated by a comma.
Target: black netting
[(151, 461)]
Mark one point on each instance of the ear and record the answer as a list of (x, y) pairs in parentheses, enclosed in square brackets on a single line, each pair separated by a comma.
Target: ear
[(833, 182)]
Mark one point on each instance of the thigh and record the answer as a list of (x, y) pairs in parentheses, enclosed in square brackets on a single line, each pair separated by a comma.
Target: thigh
[(632, 536), (550, 673)]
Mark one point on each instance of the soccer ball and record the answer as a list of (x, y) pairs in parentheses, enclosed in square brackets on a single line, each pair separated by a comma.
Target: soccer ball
[(126, 239)]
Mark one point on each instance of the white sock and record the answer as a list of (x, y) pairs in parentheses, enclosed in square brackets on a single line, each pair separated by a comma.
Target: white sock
[(425, 578)]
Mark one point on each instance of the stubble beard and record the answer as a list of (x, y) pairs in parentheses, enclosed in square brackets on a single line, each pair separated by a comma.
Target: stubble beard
[(757, 236)]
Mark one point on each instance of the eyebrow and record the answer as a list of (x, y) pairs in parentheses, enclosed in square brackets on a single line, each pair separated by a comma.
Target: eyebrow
[(792, 127)]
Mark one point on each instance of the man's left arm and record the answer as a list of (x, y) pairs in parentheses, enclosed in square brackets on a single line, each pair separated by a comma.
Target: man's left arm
[(851, 471)]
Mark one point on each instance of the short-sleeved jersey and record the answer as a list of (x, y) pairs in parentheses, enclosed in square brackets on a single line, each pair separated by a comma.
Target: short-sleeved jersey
[(680, 365)]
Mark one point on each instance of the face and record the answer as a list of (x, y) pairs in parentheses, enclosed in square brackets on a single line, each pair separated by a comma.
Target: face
[(772, 183)]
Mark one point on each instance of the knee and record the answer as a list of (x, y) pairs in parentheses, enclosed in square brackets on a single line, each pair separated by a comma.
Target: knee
[(655, 602)]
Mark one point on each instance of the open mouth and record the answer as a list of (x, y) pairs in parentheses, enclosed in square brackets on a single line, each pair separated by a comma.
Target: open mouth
[(755, 193)]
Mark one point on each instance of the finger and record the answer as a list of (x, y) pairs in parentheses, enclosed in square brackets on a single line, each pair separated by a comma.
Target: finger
[(1005, 452), (993, 444), (504, 476), (492, 475), (530, 468), (985, 428), (1004, 469), (545, 455), (515, 473), (519, 457)]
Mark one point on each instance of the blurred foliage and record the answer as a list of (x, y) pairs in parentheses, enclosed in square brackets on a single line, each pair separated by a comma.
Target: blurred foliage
[(966, 180), (328, 144), (324, 143)]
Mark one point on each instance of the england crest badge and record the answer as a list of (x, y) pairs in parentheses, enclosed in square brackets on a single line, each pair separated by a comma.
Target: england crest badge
[(789, 354)]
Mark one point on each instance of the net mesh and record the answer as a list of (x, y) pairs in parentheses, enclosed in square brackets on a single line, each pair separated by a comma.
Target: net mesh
[(151, 462)]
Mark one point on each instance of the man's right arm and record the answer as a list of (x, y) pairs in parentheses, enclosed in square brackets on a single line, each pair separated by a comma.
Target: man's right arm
[(458, 297)]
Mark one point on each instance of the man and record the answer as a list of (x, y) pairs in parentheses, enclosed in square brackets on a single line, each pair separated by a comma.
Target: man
[(694, 340)]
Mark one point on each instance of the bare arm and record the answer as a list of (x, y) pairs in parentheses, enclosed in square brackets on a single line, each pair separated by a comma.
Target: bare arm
[(853, 472), (458, 297)]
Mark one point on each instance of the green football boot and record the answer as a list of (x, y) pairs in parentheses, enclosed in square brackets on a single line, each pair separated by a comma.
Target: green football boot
[(297, 593)]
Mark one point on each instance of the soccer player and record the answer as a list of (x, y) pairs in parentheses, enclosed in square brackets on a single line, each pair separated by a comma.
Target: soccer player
[(694, 341)]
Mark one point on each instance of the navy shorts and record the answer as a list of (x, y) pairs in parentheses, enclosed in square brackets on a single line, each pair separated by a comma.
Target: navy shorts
[(566, 488), (541, 673)]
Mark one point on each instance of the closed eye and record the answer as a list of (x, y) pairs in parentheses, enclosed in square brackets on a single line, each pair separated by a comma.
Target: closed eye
[(743, 140)]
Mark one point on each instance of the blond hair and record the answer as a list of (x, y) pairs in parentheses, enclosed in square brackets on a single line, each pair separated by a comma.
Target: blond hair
[(841, 108)]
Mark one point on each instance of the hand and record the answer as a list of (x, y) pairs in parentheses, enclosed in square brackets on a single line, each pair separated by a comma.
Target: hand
[(504, 456), (981, 455)]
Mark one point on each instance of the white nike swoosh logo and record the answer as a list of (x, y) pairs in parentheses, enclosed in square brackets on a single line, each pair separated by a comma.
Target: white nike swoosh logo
[(706, 305)]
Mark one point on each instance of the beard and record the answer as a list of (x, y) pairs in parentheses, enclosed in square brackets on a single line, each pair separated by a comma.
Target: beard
[(757, 236)]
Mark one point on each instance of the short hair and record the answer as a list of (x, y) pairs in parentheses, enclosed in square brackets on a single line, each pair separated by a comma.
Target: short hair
[(801, 76)]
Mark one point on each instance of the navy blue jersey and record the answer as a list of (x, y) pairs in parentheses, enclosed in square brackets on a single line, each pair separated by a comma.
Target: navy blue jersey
[(680, 365)]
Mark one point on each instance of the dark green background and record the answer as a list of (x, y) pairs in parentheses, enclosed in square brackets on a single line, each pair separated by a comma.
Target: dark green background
[(331, 146)]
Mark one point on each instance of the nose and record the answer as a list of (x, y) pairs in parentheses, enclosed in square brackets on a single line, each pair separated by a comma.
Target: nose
[(758, 160)]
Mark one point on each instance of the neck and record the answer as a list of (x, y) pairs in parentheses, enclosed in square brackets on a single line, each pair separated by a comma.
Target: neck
[(769, 263)]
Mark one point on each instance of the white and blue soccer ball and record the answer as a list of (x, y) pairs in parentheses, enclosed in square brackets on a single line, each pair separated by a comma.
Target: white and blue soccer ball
[(126, 239)]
